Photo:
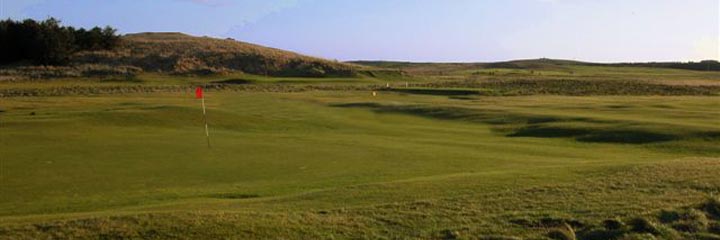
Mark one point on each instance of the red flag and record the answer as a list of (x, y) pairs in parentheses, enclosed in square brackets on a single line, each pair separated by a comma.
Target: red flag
[(198, 92)]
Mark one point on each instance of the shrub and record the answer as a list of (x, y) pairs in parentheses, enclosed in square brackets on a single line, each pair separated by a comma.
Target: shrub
[(642, 225), (714, 228), (613, 224), (712, 207), (564, 232), (636, 236), (668, 216), (597, 233), (706, 236), (497, 237), (691, 221), (105, 70), (449, 234)]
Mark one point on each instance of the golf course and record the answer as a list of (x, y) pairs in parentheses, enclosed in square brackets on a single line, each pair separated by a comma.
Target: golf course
[(168, 135), (325, 158)]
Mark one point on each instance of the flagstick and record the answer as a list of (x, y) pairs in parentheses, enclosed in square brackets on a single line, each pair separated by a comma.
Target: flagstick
[(207, 133)]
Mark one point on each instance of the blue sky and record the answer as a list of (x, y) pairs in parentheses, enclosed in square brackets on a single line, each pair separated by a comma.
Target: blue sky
[(419, 30)]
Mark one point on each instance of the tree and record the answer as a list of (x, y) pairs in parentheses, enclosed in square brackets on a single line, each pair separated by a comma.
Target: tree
[(48, 42)]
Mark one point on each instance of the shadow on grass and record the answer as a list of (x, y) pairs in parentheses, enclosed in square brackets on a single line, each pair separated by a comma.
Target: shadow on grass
[(233, 195), (595, 135), (441, 92), (519, 125), (452, 113), (548, 132), (627, 136), (234, 81)]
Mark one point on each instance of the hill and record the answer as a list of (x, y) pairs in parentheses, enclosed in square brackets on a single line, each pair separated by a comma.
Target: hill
[(534, 64), (178, 53), (181, 53)]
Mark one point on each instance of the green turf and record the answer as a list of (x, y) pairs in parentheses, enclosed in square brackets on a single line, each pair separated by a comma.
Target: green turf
[(79, 154), (422, 163)]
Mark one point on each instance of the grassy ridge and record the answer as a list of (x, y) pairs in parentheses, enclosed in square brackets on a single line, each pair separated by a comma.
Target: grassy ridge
[(180, 53)]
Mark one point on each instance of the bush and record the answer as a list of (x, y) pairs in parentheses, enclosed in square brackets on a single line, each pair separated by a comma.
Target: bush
[(449, 234), (642, 225), (714, 228), (691, 221), (712, 207), (105, 71), (636, 236), (563, 233), (87, 70), (668, 216), (613, 224), (599, 234), (707, 236), (498, 237)]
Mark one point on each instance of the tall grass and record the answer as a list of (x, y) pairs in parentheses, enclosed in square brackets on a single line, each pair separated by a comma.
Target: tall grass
[(184, 54)]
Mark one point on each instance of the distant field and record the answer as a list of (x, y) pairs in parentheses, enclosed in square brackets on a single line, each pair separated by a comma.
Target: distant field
[(473, 154)]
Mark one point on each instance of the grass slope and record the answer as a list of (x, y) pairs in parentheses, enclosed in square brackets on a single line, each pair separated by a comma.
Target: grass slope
[(180, 53), (470, 153), (297, 165)]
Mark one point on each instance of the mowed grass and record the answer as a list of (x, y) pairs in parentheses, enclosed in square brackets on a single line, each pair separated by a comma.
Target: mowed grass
[(342, 164)]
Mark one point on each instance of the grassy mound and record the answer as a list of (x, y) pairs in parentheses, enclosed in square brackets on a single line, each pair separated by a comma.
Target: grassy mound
[(178, 53), (184, 54)]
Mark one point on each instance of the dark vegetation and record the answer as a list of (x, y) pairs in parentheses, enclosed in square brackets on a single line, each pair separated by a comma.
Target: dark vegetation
[(49, 43), (693, 222), (52, 72)]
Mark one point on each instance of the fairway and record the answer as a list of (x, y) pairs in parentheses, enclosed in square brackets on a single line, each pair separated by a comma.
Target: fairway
[(338, 155), (422, 120)]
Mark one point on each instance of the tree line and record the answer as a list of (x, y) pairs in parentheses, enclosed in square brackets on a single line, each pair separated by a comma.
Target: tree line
[(47, 42)]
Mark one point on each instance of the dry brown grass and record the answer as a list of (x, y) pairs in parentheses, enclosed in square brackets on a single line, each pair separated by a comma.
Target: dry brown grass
[(184, 54)]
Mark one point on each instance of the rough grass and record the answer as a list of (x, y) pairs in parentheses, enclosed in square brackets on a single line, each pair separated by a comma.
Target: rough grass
[(184, 54), (572, 87), (488, 215), (83, 70), (549, 69), (177, 53)]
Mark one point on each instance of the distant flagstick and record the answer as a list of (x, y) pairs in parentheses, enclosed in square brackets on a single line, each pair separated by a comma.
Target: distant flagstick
[(199, 94)]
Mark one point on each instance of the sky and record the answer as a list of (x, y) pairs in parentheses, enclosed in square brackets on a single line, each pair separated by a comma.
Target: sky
[(419, 30)]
